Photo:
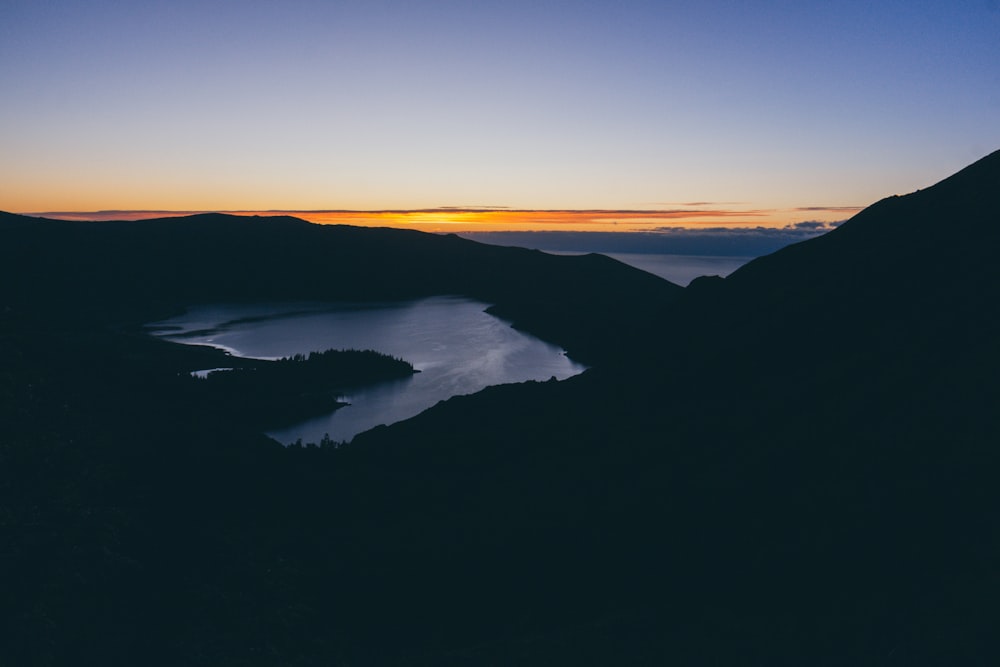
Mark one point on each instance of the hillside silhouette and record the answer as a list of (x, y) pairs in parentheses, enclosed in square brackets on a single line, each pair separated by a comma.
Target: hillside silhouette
[(793, 465), (801, 471)]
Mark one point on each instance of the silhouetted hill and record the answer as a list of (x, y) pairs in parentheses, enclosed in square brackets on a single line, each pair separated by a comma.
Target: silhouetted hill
[(901, 249), (137, 270), (793, 466), (12, 220), (906, 282)]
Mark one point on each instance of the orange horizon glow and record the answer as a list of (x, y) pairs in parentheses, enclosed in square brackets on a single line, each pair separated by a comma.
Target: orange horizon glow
[(458, 220)]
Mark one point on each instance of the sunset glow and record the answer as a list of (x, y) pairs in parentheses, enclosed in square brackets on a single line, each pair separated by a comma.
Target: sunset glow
[(449, 220), (445, 116)]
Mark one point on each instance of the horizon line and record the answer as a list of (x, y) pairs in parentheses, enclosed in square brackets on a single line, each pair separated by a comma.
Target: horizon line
[(481, 219), (690, 208)]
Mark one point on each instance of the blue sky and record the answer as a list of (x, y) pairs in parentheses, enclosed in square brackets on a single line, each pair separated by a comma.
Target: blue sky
[(375, 105)]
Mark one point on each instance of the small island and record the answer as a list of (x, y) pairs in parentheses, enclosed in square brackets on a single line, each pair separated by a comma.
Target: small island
[(270, 394)]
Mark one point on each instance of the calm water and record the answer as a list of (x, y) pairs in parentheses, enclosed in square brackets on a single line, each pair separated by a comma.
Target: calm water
[(678, 269), (458, 349)]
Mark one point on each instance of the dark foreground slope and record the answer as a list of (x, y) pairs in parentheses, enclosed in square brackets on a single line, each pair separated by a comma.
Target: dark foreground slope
[(801, 470), (795, 465)]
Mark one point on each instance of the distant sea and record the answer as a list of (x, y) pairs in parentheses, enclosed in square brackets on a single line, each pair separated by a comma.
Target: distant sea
[(679, 269), (679, 257)]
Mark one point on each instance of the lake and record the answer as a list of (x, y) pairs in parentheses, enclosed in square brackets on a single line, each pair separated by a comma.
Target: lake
[(457, 347)]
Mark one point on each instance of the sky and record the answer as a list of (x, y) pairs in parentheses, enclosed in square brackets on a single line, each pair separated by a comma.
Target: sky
[(493, 115)]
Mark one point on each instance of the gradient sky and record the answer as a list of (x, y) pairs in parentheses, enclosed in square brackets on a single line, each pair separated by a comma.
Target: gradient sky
[(295, 105)]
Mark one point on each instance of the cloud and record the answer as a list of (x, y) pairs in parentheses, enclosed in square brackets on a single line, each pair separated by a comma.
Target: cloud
[(815, 225), (799, 229), (451, 219), (829, 209), (472, 208), (699, 203), (707, 241)]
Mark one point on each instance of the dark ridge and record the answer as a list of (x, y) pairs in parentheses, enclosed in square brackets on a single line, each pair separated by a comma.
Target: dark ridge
[(952, 217), (906, 266), (14, 220)]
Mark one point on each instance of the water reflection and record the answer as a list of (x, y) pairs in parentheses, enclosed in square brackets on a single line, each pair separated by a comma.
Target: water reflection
[(458, 348)]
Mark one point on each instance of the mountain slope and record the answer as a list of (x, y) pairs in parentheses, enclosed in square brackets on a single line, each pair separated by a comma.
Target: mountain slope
[(931, 246), (894, 303), (800, 466)]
